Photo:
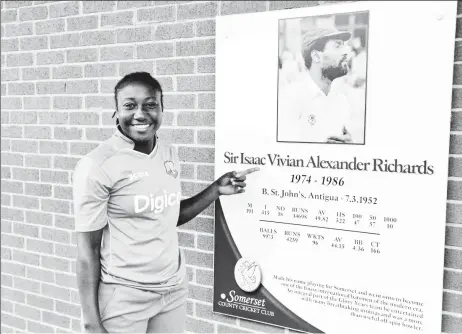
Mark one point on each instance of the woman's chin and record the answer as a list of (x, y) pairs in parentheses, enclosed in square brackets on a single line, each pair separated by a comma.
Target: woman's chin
[(141, 136)]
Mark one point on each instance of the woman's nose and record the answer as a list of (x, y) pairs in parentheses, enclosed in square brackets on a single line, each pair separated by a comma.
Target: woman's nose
[(139, 112)]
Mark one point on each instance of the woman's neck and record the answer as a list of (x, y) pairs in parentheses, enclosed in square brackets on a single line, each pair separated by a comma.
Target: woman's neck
[(145, 147), (142, 147)]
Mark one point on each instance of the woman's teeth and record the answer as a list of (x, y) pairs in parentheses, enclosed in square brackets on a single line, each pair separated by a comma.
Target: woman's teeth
[(141, 126)]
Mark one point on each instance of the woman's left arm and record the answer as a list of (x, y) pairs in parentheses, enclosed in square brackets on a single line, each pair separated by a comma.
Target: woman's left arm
[(229, 184)]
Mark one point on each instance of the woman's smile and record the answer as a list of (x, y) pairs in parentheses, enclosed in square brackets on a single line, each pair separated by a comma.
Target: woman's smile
[(142, 127)]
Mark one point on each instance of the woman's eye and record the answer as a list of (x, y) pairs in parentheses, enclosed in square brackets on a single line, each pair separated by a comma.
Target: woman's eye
[(151, 105), (129, 105)]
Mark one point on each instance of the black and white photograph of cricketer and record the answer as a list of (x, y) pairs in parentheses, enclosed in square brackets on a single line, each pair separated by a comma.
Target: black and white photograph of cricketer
[(322, 79)]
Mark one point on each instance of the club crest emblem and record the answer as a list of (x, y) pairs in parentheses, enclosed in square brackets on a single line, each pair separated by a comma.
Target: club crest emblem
[(247, 274), (312, 119), (170, 168)]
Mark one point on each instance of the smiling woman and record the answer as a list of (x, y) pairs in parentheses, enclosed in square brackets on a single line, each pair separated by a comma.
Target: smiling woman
[(127, 204), (139, 102)]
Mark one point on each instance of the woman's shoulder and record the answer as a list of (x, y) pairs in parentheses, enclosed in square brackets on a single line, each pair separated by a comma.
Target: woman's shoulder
[(97, 156), (168, 151)]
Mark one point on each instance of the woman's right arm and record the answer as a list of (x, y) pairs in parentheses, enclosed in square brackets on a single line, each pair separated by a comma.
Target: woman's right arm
[(88, 278), (91, 188)]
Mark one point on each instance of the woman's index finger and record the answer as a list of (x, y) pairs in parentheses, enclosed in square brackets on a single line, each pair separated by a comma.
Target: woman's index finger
[(247, 171)]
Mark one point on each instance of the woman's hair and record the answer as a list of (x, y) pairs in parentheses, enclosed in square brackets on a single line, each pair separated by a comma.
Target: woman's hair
[(140, 78)]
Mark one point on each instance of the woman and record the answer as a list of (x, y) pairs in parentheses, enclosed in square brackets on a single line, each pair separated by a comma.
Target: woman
[(127, 198)]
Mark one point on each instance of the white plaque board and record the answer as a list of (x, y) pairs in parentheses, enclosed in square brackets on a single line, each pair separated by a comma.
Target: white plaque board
[(342, 229)]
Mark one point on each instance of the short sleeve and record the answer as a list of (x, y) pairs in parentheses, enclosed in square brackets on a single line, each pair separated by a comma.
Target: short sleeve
[(91, 194)]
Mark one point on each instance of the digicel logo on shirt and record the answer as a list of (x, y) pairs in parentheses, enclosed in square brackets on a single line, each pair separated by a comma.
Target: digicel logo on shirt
[(157, 204)]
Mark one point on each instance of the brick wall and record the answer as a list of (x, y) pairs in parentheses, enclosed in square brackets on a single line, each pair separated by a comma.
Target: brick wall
[(59, 63)]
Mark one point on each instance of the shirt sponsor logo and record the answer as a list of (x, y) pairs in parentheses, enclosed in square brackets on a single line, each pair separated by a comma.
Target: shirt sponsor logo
[(139, 175), (156, 204)]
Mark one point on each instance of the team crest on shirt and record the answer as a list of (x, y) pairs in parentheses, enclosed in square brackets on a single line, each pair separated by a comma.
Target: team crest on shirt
[(170, 168), (312, 119)]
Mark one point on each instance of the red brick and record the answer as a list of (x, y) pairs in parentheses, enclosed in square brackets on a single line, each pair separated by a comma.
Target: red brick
[(56, 319), (260, 327), (33, 13), (195, 48), (53, 147), (82, 148), (199, 259), (55, 235), (26, 257), (67, 133), (35, 327), (64, 9), (199, 224), (451, 324), (187, 171), (6, 253), (15, 187), (10, 320), (200, 293), (66, 251), (453, 280), (39, 246), (192, 188), (37, 132), (38, 161), (40, 275), (50, 176), (63, 192), (238, 7), (12, 214), (98, 6), (13, 269), (455, 190), (40, 302), (176, 136), (25, 202), (117, 19), (66, 280), (193, 154), (56, 206), (227, 329), (198, 326), (12, 241), (56, 292), (205, 242), (453, 258), (186, 239), (195, 118), (204, 277), (64, 222), (23, 284), (37, 189), (68, 309), (205, 28), (159, 14), (133, 35)]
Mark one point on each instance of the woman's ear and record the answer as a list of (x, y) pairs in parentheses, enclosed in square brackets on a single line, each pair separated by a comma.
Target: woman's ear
[(115, 112)]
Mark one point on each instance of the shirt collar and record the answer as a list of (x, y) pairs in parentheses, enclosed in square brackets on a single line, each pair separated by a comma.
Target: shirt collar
[(312, 85), (123, 142)]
